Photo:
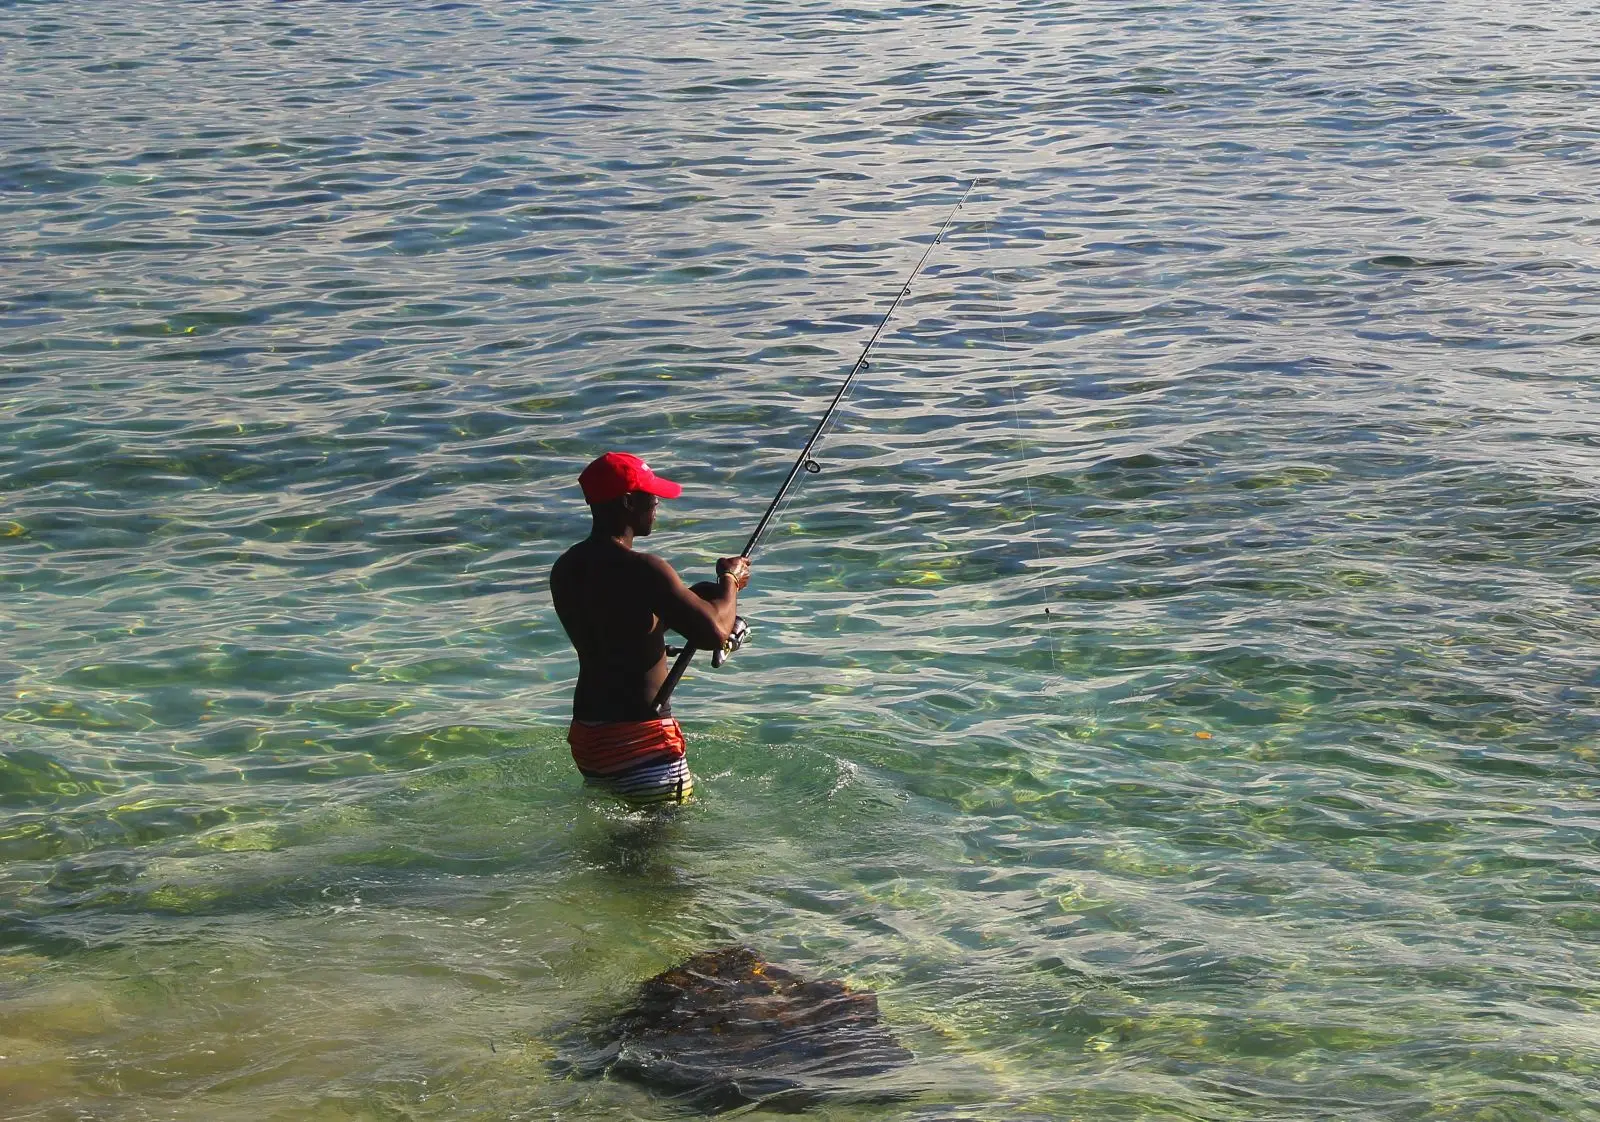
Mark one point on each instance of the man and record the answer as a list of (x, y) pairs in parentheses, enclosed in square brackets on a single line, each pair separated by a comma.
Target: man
[(616, 605)]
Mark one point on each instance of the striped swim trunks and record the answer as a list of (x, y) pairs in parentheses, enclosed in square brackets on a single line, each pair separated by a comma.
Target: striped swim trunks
[(641, 762)]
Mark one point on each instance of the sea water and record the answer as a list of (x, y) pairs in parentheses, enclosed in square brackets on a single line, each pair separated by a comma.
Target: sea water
[(1176, 695)]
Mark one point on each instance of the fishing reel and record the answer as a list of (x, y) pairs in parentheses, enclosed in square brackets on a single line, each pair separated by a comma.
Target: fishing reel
[(736, 639)]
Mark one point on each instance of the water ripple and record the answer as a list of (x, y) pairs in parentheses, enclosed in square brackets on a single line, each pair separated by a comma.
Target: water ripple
[(1175, 695)]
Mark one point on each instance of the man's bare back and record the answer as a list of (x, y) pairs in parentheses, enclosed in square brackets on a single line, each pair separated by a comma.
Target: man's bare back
[(617, 604)]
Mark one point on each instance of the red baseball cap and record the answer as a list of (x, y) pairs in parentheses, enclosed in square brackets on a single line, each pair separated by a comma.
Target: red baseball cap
[(616, 473)]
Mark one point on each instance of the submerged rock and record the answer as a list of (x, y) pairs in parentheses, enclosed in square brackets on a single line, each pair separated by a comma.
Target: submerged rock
[(727, 1028)]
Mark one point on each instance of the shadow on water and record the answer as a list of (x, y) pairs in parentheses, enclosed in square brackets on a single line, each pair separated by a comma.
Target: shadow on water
[(632, 845)]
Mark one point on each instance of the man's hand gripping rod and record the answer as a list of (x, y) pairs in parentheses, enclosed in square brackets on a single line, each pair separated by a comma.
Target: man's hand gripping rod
[(803, 462)]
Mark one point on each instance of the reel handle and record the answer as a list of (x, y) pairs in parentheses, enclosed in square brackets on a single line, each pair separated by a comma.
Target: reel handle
[(736, 639)]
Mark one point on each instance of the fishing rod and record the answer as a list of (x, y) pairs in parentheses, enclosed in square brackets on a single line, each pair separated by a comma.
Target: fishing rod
[(803, 462)]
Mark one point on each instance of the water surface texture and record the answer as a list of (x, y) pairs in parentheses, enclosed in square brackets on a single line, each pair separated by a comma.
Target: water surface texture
[(1176, 696)]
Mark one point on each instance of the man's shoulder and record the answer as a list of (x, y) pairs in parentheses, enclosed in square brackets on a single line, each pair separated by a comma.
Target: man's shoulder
[(653, 561), (573, 555), (591, 552)]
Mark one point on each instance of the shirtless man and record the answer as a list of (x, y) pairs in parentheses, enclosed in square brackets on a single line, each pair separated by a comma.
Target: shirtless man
[(616, 605)]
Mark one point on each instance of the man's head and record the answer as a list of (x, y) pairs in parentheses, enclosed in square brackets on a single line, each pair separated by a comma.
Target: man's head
[(622, 491)]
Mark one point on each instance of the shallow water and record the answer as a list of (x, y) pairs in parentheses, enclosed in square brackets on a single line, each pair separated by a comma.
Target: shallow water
[(1176, 696)]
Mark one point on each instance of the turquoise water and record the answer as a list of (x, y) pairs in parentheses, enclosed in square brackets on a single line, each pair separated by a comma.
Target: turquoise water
[(1262, 359)]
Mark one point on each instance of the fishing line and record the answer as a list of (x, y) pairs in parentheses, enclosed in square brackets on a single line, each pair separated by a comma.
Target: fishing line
[(1022, 449), (803, 462)]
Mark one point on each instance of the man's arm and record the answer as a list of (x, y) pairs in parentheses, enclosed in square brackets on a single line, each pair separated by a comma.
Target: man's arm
[(704, 620)]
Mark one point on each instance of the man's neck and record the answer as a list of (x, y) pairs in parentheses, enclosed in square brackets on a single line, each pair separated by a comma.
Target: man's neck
[(622, 536)]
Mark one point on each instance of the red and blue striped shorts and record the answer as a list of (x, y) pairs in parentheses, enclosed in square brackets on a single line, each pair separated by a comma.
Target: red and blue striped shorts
[(641, 762)]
